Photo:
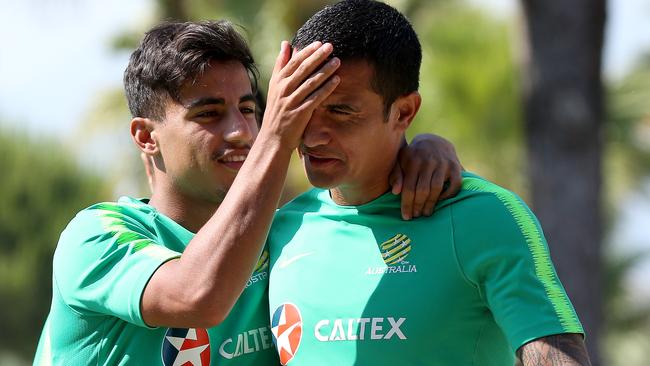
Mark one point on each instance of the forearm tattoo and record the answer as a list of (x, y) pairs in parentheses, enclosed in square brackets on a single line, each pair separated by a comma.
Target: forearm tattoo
[(561, 349)]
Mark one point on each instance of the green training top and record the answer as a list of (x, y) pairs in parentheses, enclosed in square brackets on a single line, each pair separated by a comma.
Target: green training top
[(102, 263), (466, 286)]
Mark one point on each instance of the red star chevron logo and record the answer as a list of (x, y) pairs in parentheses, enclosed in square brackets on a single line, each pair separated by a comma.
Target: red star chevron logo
[(186, 347), (286, 326)]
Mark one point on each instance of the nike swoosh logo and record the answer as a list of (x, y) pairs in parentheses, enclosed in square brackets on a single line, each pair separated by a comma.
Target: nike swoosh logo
[(285, 263)]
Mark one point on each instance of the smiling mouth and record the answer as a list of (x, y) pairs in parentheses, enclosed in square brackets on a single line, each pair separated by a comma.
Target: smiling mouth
[(233, 158), (233, 162)]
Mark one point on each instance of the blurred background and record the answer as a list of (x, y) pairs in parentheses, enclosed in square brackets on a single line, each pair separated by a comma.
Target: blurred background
[(548, 98)]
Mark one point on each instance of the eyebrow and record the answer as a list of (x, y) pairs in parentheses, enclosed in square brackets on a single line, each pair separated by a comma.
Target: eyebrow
[(343, 107), (247, 98), (218, 101), (204, 101)]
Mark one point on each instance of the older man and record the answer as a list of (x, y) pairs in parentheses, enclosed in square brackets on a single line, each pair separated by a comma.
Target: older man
[(353, 284)]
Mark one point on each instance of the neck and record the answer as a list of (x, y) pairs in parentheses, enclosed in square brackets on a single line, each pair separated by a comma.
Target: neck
[(189, 212), (350, 195)]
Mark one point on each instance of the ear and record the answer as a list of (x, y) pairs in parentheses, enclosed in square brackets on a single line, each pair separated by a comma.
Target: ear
[(404, 109), (142, 133)]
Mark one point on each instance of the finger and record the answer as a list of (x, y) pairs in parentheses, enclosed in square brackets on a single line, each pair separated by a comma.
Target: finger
[(283, 56), (455, 181), (429, 205), (395, 179), (407, 204), (408, 190), (308, 66), (424, 189), (298, 57), (313, 101), (318, 96), (437, 183), (316, 80)]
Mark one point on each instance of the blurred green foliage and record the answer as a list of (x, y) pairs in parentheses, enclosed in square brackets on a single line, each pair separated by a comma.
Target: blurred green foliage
[(40, 191), (470, 90), (626, 322), (627, 162), (628, 129)]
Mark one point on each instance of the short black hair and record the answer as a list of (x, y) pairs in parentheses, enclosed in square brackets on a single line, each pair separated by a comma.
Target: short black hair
[(374, 32), (174, 53)]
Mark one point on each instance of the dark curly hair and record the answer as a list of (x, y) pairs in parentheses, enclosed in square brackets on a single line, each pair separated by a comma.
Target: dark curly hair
[(172, 54)]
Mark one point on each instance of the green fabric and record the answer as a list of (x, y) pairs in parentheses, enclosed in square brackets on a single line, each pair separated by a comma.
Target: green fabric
[(466, 286), (103, 261)]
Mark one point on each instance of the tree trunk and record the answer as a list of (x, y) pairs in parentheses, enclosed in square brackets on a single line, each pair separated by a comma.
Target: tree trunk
[(564, 113)]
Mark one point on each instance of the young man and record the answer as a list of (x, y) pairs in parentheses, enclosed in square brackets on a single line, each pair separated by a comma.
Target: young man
[(182, 278), (351, 283)]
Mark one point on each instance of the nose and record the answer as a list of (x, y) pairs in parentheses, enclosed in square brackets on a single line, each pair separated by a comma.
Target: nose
[(316, 133), (240, 131)]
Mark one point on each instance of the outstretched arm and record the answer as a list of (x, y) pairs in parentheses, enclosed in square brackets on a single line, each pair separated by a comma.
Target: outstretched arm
[(199, 288), (561, 349)]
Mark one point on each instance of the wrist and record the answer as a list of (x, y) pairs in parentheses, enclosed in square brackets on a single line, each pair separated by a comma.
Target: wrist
[(272, 144)]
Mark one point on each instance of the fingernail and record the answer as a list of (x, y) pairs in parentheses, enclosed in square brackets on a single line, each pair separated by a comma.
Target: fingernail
[(417, 214), (428, 212), (335, 61)]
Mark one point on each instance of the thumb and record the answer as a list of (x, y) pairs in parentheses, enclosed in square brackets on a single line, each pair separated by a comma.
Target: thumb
[(283, 56)]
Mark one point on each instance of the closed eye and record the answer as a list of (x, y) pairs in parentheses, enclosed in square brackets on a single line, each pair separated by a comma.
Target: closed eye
[(339, 111)]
